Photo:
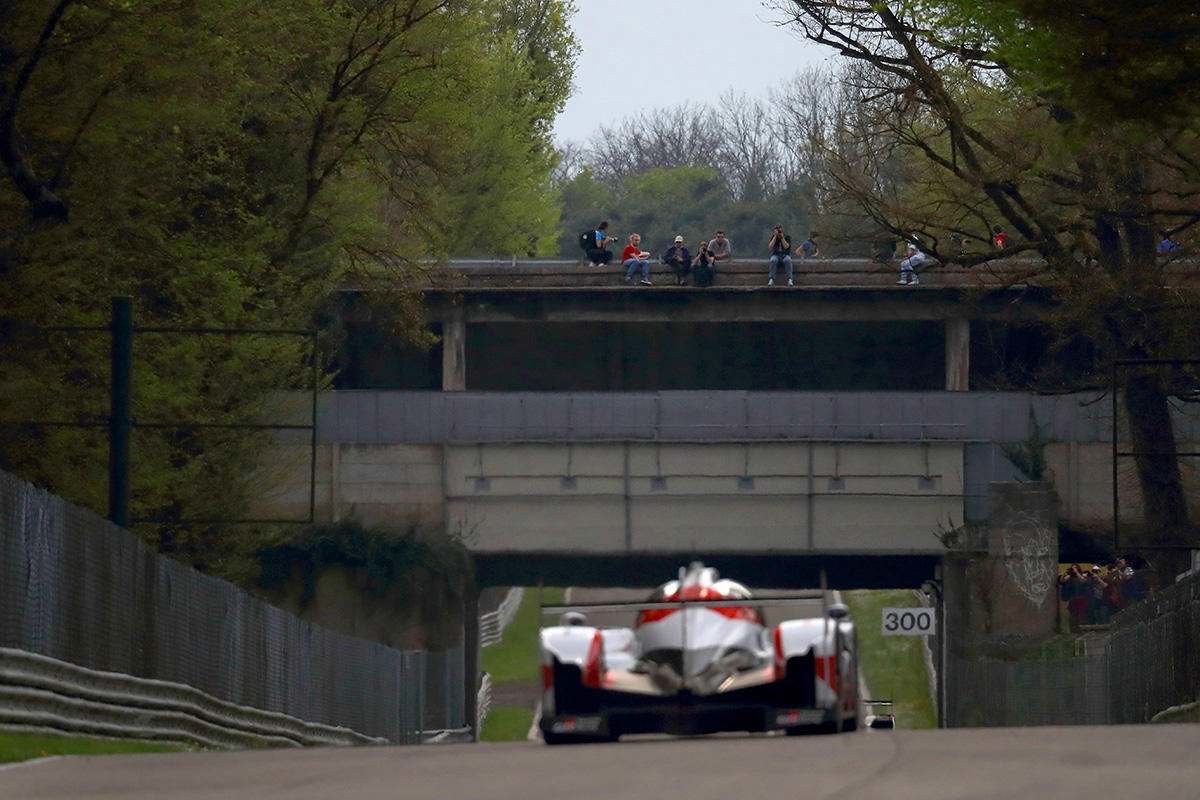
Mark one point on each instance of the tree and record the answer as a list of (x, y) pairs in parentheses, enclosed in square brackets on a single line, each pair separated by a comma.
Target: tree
[(992, 113), (230, 165), (682, 136)]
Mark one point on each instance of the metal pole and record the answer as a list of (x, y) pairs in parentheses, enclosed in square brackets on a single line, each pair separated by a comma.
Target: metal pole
[(1116, 500), (471, 655), (312, 455), (119, 422)]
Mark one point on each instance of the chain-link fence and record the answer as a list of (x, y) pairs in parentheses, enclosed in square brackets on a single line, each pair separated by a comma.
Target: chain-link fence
[(76, 588), (1154, 654), (1146, 662)]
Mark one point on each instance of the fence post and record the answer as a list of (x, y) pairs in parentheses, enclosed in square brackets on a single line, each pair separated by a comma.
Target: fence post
[(119, 416), (471, 654)]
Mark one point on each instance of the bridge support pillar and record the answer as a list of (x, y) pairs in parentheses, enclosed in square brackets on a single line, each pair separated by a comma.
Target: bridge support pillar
[(454, 350), (958, 355)]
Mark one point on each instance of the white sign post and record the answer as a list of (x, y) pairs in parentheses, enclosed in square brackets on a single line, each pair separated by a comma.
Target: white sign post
[(917, 621)]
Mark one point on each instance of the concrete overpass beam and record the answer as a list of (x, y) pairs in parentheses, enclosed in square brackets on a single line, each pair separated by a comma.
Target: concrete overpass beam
[(454, 350), (958, 355)]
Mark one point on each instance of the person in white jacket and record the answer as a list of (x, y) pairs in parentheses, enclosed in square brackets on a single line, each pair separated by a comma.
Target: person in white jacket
[(913, 260)]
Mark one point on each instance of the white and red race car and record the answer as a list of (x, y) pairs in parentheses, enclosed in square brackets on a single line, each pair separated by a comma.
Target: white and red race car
[(699, 659)]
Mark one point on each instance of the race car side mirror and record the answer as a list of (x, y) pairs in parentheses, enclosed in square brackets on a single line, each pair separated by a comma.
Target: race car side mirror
[(838, 611)]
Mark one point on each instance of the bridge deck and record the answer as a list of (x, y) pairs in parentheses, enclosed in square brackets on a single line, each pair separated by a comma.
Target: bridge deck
[(747, 275)]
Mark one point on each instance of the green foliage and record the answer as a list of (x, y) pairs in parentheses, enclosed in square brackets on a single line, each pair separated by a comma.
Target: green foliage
[(385, 557), (1029, 455), (230, 165), (1101, 58)]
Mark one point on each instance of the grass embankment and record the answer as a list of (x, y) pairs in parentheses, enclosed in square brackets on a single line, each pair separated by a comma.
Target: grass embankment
[(894, 666), (514, 661), (16, 746)]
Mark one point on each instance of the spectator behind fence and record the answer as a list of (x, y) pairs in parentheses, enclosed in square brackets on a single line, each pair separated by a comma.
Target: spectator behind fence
[(912, 261), (720, 249), (780, 246), (1095, 594), (598, 254), (1074, 590), (634, 257), (702, 266), (679, 260)]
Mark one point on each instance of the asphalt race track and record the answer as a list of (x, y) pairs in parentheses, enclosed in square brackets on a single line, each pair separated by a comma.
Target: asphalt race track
[(1158, 762)]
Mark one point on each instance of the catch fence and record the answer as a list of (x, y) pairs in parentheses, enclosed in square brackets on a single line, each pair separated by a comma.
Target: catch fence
[(78, 589), (1147, 661)]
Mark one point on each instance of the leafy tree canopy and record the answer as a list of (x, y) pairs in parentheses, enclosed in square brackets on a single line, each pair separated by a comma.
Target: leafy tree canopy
[(230, 164)]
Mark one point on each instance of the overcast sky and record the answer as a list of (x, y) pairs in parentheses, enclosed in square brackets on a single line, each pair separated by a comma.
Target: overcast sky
[(645, 54)]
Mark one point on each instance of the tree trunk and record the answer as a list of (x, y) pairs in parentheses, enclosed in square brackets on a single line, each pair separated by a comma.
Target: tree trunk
[(1152, 436)]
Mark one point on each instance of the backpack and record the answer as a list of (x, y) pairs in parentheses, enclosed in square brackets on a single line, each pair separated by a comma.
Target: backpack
[(587, 241), (702, 274)]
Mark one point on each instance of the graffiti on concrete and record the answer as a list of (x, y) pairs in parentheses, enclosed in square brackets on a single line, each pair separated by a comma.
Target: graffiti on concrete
[(1029, 555)]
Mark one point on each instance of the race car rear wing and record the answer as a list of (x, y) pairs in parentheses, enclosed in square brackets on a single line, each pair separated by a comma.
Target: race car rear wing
[(797, 599)]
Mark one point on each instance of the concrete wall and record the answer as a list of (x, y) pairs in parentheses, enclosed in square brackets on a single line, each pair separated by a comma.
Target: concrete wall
[(375, 483), (384, 445), (377, 417), (753, 497)]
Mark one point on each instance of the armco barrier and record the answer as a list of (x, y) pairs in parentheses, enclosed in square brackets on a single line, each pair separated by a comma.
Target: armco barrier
[(493, 623), (80, 591), (39, 691), (483, 702)]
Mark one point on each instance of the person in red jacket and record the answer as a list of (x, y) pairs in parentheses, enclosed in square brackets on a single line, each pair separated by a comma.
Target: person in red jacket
[(634, 257)]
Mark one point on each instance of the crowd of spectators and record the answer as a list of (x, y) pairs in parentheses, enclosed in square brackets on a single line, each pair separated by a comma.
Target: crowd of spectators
[(910, 252), (699, 268), (1093, 594)]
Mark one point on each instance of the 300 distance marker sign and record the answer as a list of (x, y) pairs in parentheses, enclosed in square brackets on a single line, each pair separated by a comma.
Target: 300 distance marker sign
[(909, 622)]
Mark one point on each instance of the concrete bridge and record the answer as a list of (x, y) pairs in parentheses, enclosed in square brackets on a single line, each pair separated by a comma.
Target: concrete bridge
[(865, 485), (558, 438), (564, 326)]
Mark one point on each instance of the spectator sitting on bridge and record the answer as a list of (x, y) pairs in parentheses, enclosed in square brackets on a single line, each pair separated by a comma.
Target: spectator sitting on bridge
[(808, 248), (679, 260), (634, 257), (600, 255), (702, 266), (999, 238), (720, 249), (780, 245), (913, 260)]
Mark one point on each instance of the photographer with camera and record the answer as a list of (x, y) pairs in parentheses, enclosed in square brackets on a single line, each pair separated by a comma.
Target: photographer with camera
[(780, 246)]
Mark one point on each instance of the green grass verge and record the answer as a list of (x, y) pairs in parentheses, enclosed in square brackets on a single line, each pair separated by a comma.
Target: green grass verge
[(514, 658), (894, 666), (507, 724), (24, 746)]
